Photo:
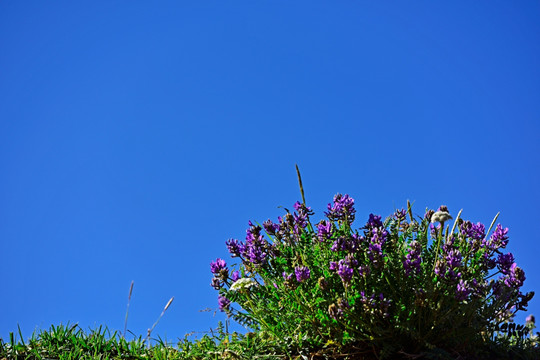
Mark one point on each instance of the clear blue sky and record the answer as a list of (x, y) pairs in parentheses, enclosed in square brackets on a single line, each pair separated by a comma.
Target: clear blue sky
[(137, 137)]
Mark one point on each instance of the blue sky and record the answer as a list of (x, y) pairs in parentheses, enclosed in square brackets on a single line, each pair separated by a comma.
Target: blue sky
[(137, 137)]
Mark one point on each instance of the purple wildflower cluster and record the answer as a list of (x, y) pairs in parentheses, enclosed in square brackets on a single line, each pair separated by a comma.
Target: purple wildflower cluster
[(217, 267), (400, 215), (324, 230), (220, 271), (473, 231), (374, 221), (349, 244), (223, 303), (462, 290), (290, 226), (499, 239), (345, 268), (256, 247), (353, 246), (341, 209), (302, 273), (449, 266), (271, 228), (297, 256), (505, 262), (301, 216), (476, 234), (515, 277), (255, 250), (377, 238), (413, 259)]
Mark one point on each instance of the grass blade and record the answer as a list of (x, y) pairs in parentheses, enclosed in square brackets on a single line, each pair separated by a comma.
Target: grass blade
[(300, 183), (127, 310), (159, 318)]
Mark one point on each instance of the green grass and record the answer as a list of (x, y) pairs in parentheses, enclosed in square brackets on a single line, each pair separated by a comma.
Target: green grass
[(71, 342)]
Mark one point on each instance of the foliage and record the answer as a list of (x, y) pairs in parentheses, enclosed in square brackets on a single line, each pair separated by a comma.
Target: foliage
[(403, 285)]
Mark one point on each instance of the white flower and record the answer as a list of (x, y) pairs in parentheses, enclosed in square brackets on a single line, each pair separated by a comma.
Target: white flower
[(243, 283), (440, 216)]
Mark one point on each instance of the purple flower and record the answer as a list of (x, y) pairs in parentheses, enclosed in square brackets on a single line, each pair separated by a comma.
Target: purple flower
[(374, 250), (254, 249), (413, 260), (400, 215), (223, 303), (376, 241), (253, 233), (235, 247), (344, 271), (302, 273), (462, 291), (453, 259), (515, 277), (374, 221), (356, 241), (255, 254), (217, 266), (340, 244), (270, 227), (333, 266), (324, 230), (499, 238), (343, 208), (448, 267), (301, 219), (504, 262), (235, 276), (474, 231)]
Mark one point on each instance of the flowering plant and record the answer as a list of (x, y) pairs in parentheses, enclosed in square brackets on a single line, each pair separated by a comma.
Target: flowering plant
[(404, 284)]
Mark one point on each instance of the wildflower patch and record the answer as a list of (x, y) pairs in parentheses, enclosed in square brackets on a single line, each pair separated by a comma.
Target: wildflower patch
[(405, 283)]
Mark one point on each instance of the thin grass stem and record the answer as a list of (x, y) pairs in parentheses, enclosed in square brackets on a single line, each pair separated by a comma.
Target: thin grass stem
[(300, 183), (492, 223), (456, 221), (127, 309), (159, 318)]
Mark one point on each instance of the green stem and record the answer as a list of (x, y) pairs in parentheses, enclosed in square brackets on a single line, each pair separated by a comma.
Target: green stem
[(439, 237)]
